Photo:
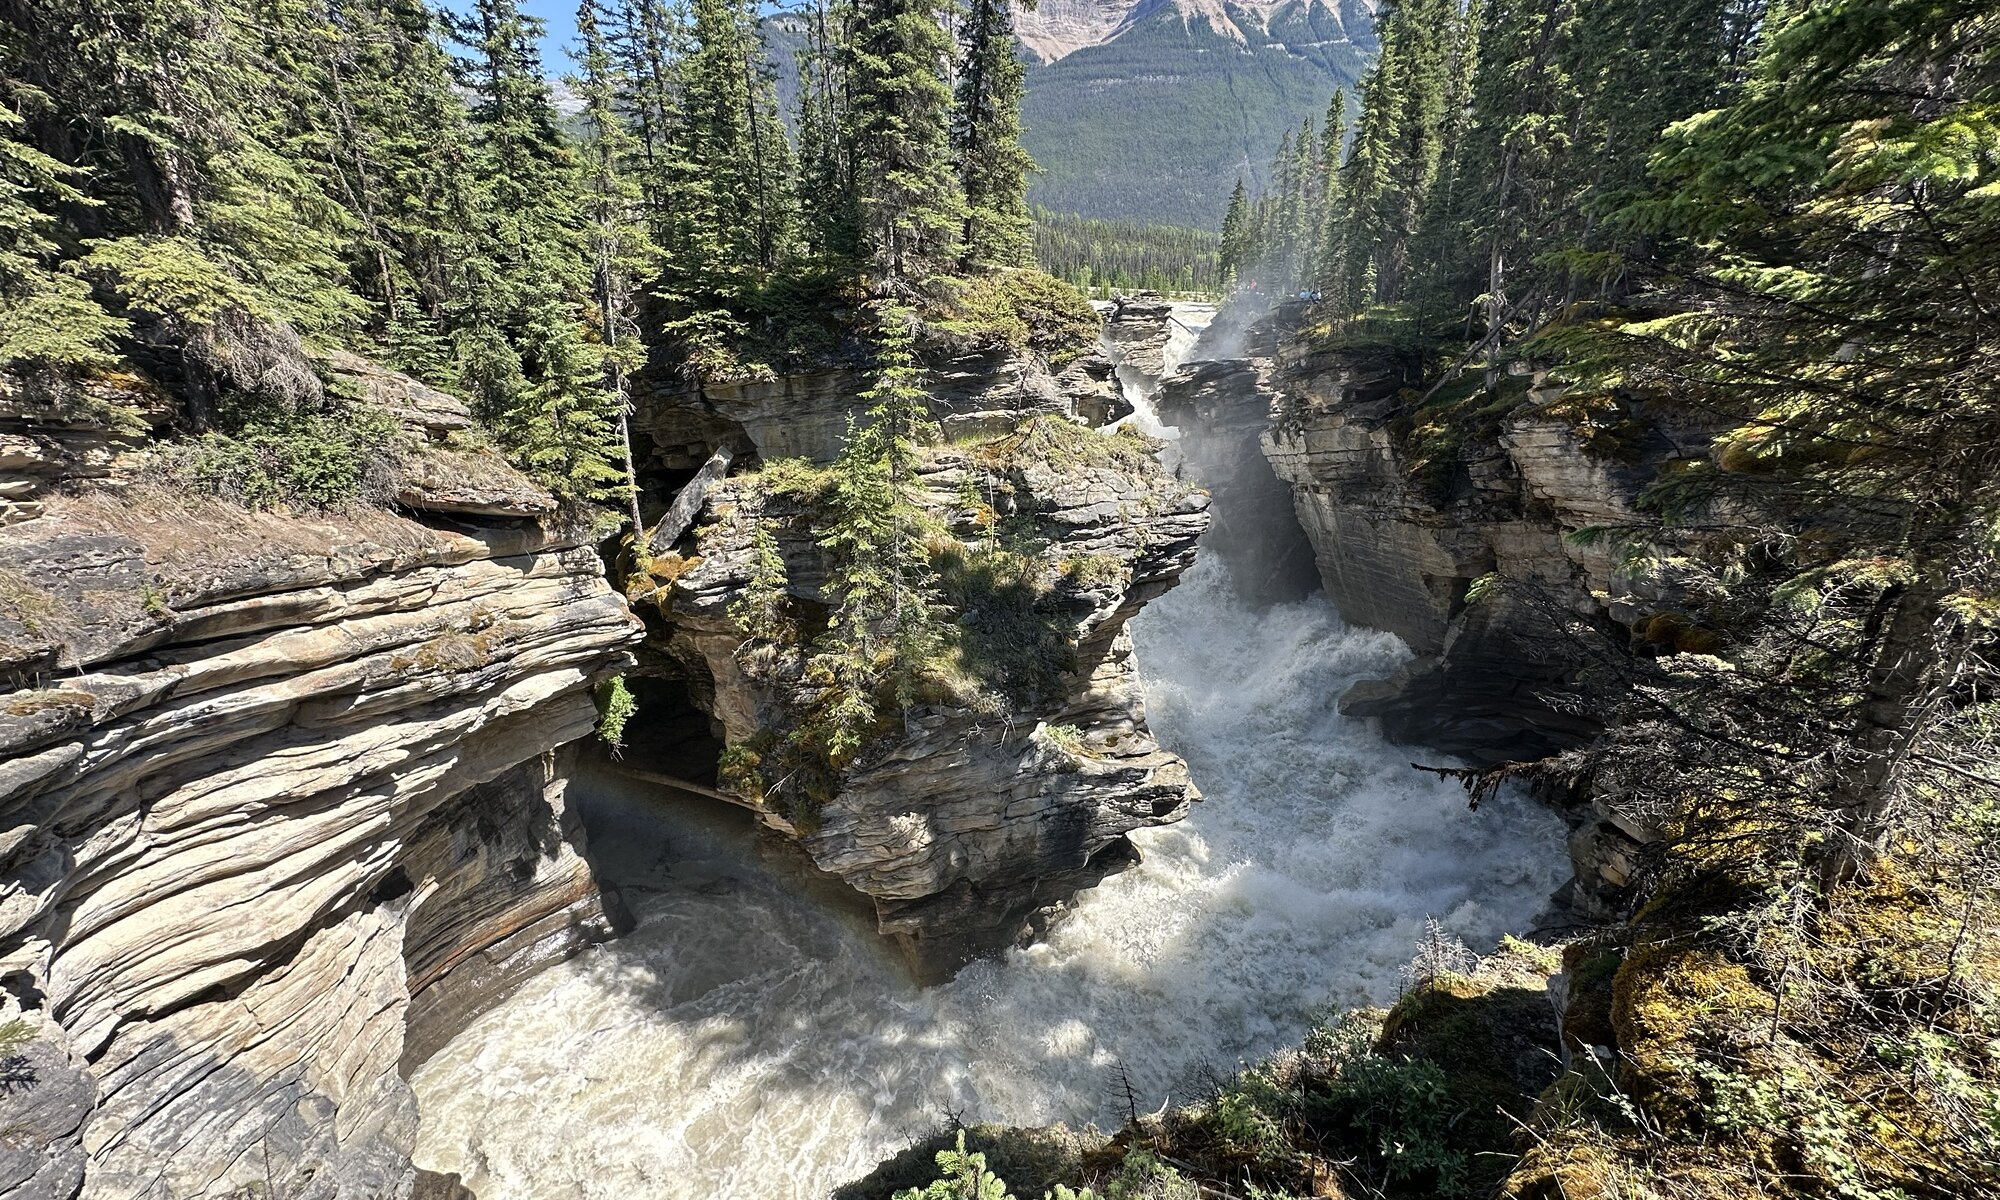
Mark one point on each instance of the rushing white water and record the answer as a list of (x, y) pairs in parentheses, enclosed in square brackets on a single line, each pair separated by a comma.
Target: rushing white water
[(1184, 325), (746, 1040)]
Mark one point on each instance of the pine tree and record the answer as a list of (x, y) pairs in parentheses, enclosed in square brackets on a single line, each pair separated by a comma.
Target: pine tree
[(986, 139), (47, 316), (1235, 232), (1841, 326), (622, 253), (404, 165), (534, 377), (1326, 247), (1365, 179), (886, 629), (831, 223), (910, 204)]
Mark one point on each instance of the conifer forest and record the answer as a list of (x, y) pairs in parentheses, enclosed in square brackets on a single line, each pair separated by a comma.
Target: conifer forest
[(600, 606)]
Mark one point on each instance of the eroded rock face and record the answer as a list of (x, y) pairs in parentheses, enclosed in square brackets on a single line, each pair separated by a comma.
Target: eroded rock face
[(981, 390), (282, 802), (970, 821)]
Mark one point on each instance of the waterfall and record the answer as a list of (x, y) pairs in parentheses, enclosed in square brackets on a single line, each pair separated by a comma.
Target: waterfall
[(1184, 326), (746, 1040)]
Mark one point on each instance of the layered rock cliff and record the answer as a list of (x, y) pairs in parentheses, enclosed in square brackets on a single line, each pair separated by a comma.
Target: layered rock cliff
[(284, 803), (997, 799), (1470, 526), (286, 790)]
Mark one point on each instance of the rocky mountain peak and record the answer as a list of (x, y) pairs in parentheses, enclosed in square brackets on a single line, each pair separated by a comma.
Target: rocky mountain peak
[(1058, 28)]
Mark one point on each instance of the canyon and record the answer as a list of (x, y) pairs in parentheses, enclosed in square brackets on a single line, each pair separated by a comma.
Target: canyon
[(295, 800)]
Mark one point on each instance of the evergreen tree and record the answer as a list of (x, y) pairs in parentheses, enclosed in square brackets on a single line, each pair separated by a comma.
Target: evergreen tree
[(48, 317), (1326, 245), (910, 204), (1841, 327), (1236, 232), (986, 138), (830, 219), (534, 377), (621, 252), (886, 629)]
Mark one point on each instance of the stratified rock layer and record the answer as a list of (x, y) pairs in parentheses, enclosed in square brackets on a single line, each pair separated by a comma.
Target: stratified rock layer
[(281, 802), (973, 819)]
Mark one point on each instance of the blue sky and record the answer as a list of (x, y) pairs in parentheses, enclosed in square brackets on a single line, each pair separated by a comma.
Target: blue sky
[(560, 16)]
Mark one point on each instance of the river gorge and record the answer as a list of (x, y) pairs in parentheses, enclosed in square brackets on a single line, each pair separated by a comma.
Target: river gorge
[(744, 1033), (601, 979)]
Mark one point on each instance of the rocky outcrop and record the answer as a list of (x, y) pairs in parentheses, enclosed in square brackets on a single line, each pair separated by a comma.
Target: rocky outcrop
[(1221, 409), (282, 803), (57, 432), (978, 390), (980, 811)]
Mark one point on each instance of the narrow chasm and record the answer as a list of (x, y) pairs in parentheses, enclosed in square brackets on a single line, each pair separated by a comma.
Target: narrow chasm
[(756, 1026)]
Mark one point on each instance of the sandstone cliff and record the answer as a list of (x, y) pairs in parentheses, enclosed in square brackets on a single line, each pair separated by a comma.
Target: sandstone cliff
[(284, 801)]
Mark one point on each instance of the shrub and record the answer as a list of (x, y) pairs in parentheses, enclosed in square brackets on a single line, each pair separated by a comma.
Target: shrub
[(303, 461), (615, 707), (1029, 310)]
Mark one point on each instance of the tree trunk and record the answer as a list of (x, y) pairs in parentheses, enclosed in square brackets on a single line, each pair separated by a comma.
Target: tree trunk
[(1894, 710)]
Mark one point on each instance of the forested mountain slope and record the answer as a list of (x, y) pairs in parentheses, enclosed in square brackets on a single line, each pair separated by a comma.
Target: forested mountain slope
[(1159, 118)]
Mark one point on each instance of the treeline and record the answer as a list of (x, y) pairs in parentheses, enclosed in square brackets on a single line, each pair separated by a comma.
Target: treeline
[(1094, 253), (1490, 152), (1760, 248), (193, 176)]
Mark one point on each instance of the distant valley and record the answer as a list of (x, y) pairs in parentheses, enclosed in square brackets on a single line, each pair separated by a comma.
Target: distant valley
[(1151, 109)]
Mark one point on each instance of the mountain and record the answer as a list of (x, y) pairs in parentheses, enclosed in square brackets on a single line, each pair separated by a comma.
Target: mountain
[(1152, 108)]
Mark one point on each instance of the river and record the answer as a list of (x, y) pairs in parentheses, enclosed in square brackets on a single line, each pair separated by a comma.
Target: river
[(748, 1040)]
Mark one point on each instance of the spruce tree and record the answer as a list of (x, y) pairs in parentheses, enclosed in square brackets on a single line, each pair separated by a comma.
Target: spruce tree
[(830, 222), (525, 353), (48, 317), (1840, 326), (908, 199), (986, 138), (886, 630), (1235, 232), (1326, 247), (622, 254)]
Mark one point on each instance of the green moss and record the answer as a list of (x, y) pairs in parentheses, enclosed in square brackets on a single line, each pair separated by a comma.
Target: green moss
[(1067, 447), (1461, 416)]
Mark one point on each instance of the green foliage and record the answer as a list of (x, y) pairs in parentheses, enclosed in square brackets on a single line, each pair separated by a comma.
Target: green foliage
[(966, 1177), (169, 277), (15, 1036), (1027, 309), (1099, 255), (1397, 1112), (616, 706), (986, 138), (911, 206), (303, 461), (760, 609), (1142, 1176)]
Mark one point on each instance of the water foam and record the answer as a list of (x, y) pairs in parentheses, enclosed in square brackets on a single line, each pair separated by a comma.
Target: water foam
[(747, 1041)]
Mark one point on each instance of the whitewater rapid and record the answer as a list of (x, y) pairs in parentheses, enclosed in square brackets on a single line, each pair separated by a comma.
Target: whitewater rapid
[(747, 1040)]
